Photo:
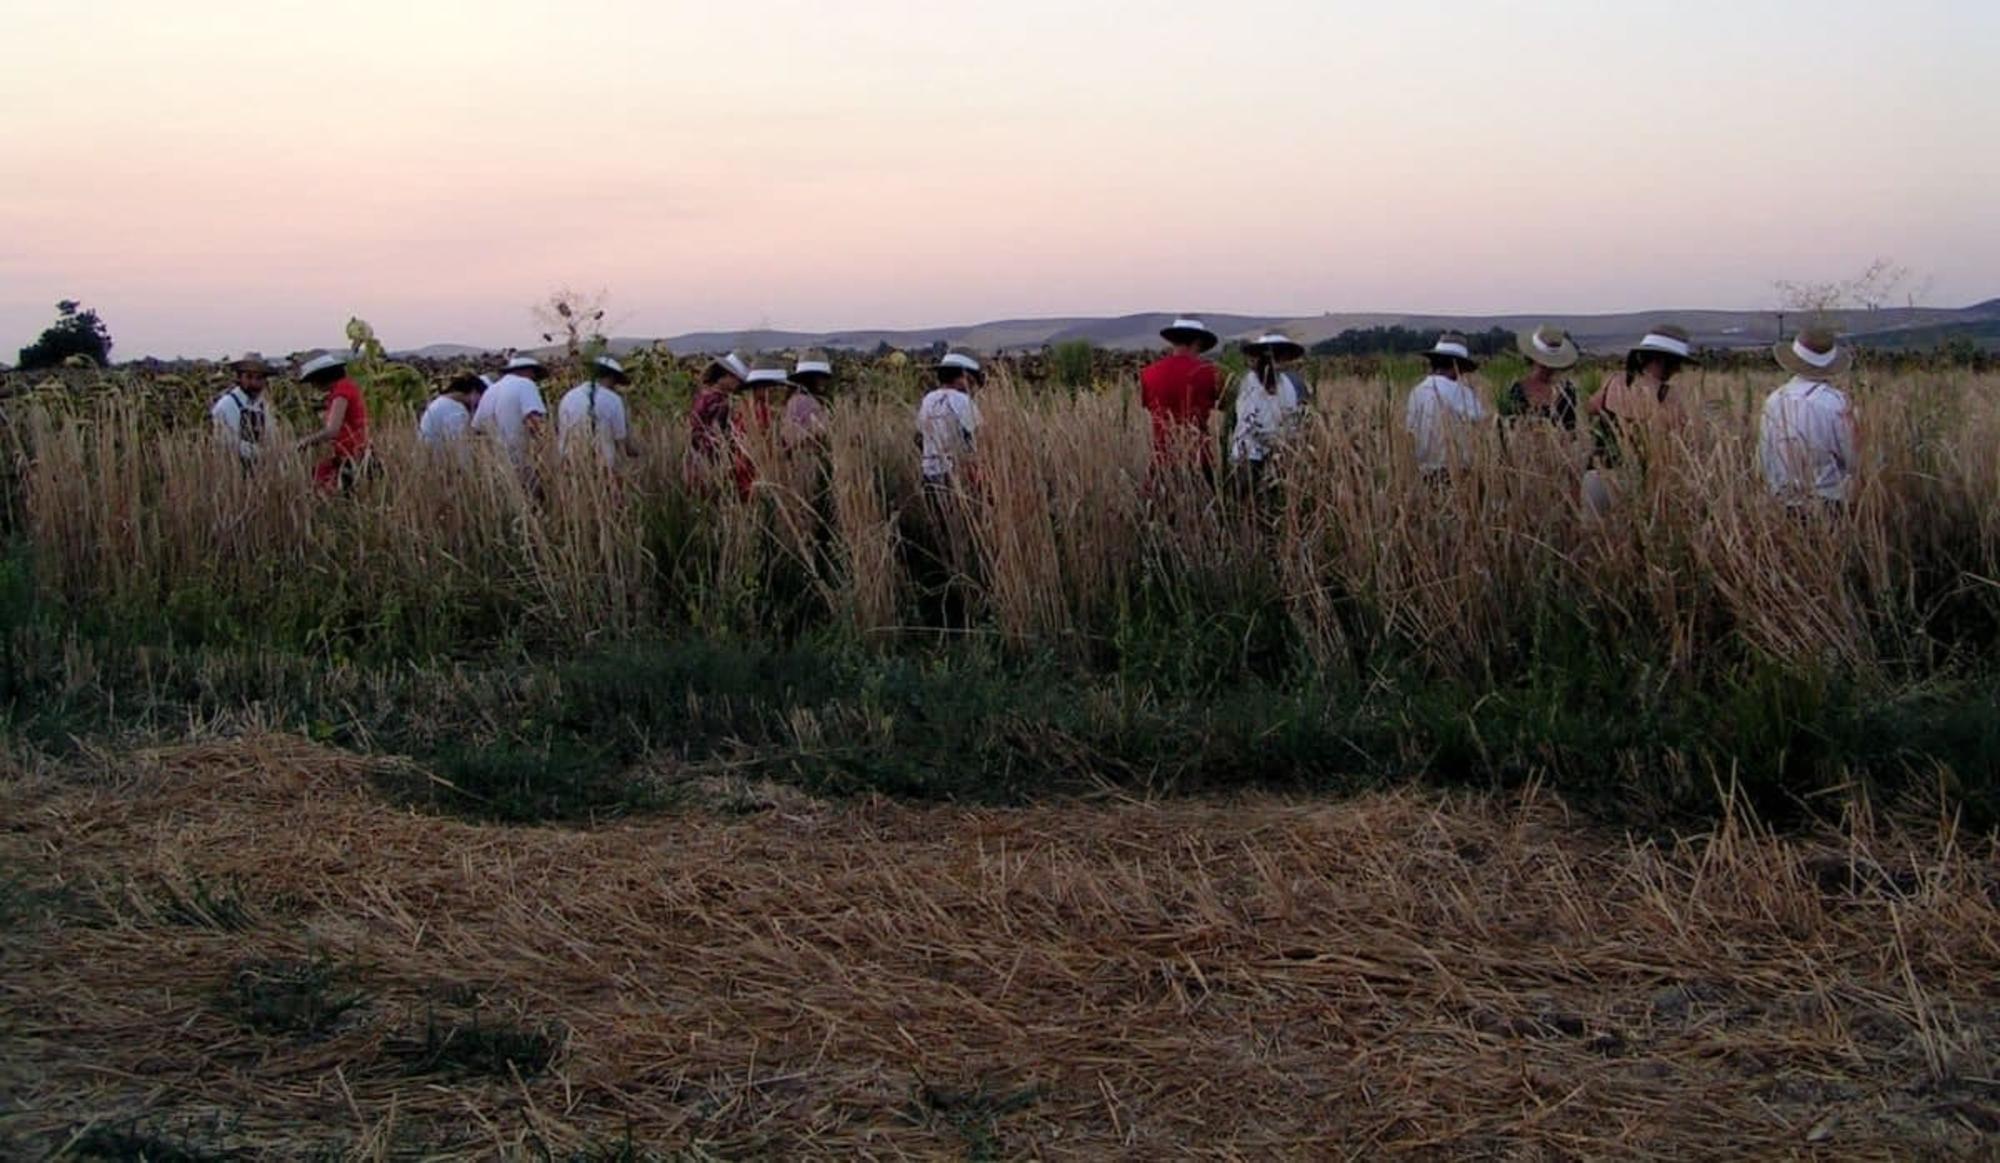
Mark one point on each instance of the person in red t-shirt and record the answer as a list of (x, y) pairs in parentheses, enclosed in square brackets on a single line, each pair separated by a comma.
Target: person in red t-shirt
[(1180, 391), (345, 426)]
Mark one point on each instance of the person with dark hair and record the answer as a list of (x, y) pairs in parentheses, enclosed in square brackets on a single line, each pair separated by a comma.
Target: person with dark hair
[(1546, 394), (1180, 392), (1643, 392), (805, 411), (447, 421), (948, 419), (1269, 404), (239, 416), (344, 425), (1443, 407), (712, 423), (593, 414)]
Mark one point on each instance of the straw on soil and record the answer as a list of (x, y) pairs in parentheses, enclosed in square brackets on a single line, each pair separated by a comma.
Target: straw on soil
[(1399, 973)]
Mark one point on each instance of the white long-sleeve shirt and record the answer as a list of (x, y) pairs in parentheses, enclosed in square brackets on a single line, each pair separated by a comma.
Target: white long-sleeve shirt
[(1440, 414), (240, 422), (1805, 442), (947, 420), (1264, 418)]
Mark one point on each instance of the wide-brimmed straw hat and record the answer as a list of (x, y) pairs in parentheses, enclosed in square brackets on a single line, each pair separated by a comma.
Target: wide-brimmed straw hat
[(1281, 347), (523, 363), (1549, 346), (1188, 329), (960, 361), (323, 363), (812, 364), (250, 361), (609, 366), (1452, 345), (1815, 353), (730, 364), (1668, 339), (767, 375)]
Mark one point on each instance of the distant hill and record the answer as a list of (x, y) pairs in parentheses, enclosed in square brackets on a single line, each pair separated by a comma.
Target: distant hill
[(1888, 327)]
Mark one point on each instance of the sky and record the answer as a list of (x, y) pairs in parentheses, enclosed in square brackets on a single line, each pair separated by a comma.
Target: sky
[(218, 176)]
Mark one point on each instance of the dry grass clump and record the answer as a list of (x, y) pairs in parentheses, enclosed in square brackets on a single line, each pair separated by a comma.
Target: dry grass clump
[(1399, 974)]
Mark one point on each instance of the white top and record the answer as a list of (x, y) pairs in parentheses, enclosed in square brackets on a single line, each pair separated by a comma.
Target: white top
[(1806, 442), (239, 422), (1263, 418), (1439, 415), (592, 413), (443, 422), (947, 420), (504, 410)]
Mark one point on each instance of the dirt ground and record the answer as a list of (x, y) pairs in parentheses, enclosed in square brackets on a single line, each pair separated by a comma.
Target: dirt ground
[(243, 949)]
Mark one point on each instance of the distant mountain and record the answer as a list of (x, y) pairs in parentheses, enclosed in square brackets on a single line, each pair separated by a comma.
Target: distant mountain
[(1889, 326)]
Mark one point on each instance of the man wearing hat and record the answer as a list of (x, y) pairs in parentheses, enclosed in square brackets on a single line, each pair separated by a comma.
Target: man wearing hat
[(947, 419), (344, 424), (1443, 408), (240, 420), (511, 412), (1806, 439), (1180, 391), (1269, 402), (1546, 394), (593, 413)]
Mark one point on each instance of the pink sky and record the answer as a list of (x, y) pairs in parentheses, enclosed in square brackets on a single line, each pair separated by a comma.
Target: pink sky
[(220, 176)]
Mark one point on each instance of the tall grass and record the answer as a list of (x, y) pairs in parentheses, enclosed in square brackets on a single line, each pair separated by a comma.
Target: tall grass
[(1351, 572)]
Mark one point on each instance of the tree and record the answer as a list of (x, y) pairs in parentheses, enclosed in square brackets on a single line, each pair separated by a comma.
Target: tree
[(574, 319), (76, 332)]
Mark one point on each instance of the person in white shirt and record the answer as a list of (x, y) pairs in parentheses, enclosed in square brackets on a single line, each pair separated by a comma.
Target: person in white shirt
[(239, 416), (511, 412), (1443, 410), (948, 419), (447, 421), (1806, 439), (593, 414), (1268, 403)]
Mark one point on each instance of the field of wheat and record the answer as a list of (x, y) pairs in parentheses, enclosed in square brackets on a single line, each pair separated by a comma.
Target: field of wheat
[(1085, 811)]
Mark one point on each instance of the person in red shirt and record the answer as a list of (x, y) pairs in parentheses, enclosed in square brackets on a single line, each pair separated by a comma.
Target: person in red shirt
[(712, 424), (345, 426), (1180, 391)]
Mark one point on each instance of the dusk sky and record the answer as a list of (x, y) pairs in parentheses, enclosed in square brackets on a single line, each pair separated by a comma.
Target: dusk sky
[(218, 176)]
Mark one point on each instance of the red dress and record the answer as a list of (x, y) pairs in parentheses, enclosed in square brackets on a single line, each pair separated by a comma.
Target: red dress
[(1180, 391), (350, 444)]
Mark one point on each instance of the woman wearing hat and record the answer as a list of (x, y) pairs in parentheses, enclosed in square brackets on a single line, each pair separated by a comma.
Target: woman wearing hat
[(1180, 391), (1806, 439), (1267, 404), (593, 413), (1443, 407), (1546, 394), (1643, 392), (344, 424), (947, 419), (711, 420), (805, 412)]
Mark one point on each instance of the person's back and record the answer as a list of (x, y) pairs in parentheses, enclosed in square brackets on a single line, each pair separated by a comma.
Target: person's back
[(445, 421), (1179, 391), (592, 413), (1264, 417), (240, 423), (1805, 442), (947, 419), (504, 411)]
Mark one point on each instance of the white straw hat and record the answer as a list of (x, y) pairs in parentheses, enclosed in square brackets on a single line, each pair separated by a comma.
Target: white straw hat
[(1668, 340), (1549, 346), (813, 367), (606, 363), (1281, 346), (960, 361), (1188, 329), (522, 363), (1452, 345), (767, 375), (730, 364), (320, 363), (1815, 353)]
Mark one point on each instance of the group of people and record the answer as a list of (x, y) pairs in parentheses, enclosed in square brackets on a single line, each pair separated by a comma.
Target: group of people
[(1806, 437), (1806, 434)]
